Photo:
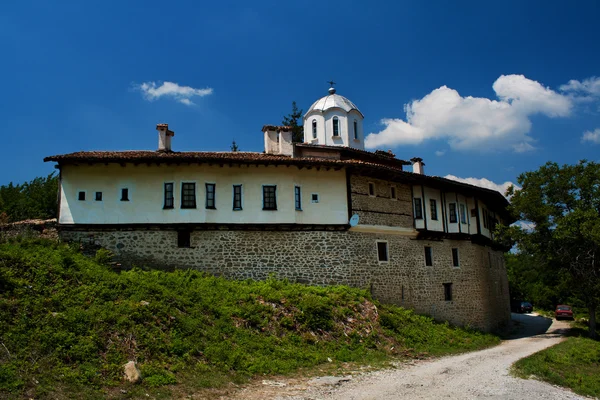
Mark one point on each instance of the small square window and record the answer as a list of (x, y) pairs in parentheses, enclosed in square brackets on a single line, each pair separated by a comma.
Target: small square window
[(382, 251), (455, 262), (428, 256), (448, 291), (183, 238), (124, 194), (371, 189), (98, 196), (315, 198), (81, 196)]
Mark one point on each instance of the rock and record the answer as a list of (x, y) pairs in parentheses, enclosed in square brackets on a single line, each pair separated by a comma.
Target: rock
[(144, 303), (273, 383), (132, 373), (329, 380)]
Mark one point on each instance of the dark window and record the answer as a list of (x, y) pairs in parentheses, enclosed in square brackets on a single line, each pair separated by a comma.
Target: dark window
[(453, 216), (473, 212), (433, 206), (355, 129), (188, 195), (314, 128), (336, 126), (485, 218), (315, 198), (463, 214), (237, 197), (210, 196), (418, 208), (298, 197), (455, 257), (269, 197), (371, 189), (382, 251), (183, 238), (168, 195), (448, 291), (124, 194), (98, 196), (428, 256), (81, 196), (393, 192)]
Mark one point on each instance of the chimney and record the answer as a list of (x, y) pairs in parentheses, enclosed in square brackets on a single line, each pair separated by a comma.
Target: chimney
[(418, 165), (164, 137), (278, 140)]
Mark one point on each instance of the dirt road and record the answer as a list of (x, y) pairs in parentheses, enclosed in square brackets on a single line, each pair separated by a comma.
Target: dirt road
[(477, 375)]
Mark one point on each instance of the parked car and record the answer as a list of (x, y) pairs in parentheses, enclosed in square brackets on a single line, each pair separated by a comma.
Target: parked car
[(525, 307), (563, 311)]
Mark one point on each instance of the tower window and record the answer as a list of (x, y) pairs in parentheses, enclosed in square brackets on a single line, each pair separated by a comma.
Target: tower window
[(336, 126), (314, 128), (355, 129)]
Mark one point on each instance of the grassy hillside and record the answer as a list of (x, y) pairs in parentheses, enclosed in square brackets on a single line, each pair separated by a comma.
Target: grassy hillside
[(68, 323)]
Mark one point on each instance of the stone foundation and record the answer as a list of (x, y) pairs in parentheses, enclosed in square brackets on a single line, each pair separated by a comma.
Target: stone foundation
[(479, 284)]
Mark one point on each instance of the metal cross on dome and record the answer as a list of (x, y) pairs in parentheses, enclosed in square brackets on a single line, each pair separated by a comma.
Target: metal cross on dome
[(331, 83)]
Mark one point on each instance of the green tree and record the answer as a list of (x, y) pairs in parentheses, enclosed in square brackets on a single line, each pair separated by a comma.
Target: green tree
[(36, 199), (563, 205), (292, 120), (234, 146)]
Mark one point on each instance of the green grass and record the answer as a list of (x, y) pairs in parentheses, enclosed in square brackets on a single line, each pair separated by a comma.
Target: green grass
[(68, 323), (574, 363)]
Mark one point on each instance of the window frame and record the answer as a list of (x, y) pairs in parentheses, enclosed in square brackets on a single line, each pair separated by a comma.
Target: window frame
[(452, 213), (455, 257), (433, 209), (206, 195), (81, 194), (98, 196), (298, 197), (165, 198), (448, 291), (336, 126), (386, 248), (314, 128), (124, 194), (463, 213), (264, 199), (240, 206), (314, 198), (355, 130), (419, 214), (183, 199), (484, 213), (428, 256)]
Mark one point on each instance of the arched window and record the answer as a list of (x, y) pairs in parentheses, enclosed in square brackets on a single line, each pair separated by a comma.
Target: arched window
[(314, 127), (336, 126), (355, 129)]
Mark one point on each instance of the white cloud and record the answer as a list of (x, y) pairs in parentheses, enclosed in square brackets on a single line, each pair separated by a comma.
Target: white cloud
[(475, 123), (183, 94), (525, 225), (587, 88), (590, 136), (440, 153), (484, 183)]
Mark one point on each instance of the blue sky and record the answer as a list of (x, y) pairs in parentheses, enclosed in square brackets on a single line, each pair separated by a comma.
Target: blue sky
[(491, 89)]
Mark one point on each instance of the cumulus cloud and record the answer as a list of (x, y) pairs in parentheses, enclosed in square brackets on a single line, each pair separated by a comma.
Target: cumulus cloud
[(484, 183), (183, 94), (588, 88), (590, 136), (475, 123)]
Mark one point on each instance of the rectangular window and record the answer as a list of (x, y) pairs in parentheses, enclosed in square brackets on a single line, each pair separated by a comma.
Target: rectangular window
[(183, 238), (393, 192), (448, 291), (81, 196), (433, 206), (298, 198), (98, 196), (455, 258), (463, 214), (188, 195), (124, 194), (382, 251), (355, 130), (428, 257), (237, 197), (485, 218), (453, 216), (269, 197), (336, 126), (315, 198), (371, 189), (418, 208), (168, 195), (210, 196)]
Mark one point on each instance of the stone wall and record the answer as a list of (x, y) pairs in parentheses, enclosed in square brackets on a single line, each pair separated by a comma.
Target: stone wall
[(480, 288)]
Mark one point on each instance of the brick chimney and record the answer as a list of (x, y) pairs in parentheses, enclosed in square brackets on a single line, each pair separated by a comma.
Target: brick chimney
[(164, 137), (418, 165)]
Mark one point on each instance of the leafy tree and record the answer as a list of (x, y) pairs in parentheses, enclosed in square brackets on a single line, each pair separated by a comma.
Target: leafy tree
[(563, 205), (36, 199), (292, 120), (234, 146)]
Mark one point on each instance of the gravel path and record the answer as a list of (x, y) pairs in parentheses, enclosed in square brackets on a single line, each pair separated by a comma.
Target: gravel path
[(477, 375)]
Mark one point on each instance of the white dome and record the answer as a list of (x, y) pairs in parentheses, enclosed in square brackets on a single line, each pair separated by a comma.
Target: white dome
[(333, 101)]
